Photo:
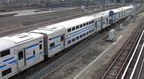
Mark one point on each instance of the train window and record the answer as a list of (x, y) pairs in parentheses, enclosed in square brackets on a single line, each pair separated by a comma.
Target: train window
[(84, 34), (69, 30), (87, 23), (20, 55), (4, 53), (40, 46), (92, 30), (50, 39), (34, 52), (81, 26), (69, 41), (92, 21), (40, 41), (7, 71), (77, 37), (73, 39), (77, 27), (81, 36), (62, 37), (73, 28), (52, 44), (84, 24)]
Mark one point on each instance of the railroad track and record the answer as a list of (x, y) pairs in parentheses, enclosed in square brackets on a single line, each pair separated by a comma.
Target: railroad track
[(36, 25), (125, 56), (27, 23), (128, 71), (140, 73)]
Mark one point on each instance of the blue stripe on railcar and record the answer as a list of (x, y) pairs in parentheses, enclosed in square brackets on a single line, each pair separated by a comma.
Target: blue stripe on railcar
[(2, 66), (67, 38), (98, 20), (55, 37), (30, 57), (8, 59), (32, 46), (80, 31), (41, 52), (12, 61), (54, 46)]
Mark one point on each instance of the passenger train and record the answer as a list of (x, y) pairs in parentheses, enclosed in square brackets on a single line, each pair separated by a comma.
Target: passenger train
[(21, 51)]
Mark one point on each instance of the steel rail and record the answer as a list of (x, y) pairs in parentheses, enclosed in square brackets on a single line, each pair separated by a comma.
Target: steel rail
[(137, 62), (141, 69), (121, 52), (132, 56)]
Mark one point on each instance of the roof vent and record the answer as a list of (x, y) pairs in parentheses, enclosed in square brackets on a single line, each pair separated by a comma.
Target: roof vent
[(22, 35), (54, 28)]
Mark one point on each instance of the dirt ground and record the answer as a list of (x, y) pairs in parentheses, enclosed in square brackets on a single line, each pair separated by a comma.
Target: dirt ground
[(74, 68)]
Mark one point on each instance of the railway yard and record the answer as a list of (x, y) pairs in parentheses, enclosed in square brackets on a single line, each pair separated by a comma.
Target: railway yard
[(20, 23), (91, 58), (92, 62)]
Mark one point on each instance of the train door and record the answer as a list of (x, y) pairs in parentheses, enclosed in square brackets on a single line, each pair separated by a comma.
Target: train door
[(101, 23), (111, 17), (21, 58), (98, 24), (62, 41)]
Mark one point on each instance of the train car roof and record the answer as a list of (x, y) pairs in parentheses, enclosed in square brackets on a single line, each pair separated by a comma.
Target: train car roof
[(6, 44), (117, 10), (98, 15), (106, 13), (53, 27), (10, 41), (75, 22), (127, 7), (49, 29)]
